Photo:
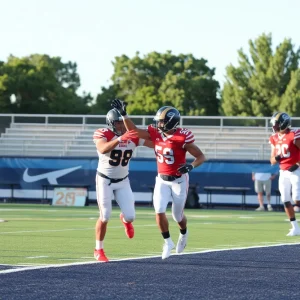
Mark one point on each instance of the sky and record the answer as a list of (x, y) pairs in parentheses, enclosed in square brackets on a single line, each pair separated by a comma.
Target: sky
[(93, 32)]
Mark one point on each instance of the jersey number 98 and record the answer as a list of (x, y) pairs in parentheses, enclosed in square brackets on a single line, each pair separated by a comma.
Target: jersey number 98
[(117, 157)]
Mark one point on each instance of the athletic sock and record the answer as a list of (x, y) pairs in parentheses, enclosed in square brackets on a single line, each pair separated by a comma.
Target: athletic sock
[(99, 245), (295, 224)]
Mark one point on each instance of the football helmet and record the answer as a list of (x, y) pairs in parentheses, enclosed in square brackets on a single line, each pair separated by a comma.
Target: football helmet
[(280, 122), (168, 116), (112, 117)]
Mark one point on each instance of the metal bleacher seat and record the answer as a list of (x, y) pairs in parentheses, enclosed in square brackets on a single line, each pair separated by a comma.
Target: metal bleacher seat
[(64, 139)]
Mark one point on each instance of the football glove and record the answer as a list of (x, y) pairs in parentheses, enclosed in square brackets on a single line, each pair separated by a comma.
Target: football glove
[(293, 168), (127, 136), (185, 169), (278, 158), (120, 106)]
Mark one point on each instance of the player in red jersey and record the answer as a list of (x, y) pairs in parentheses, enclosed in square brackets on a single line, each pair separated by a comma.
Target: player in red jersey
[(285, 143), (170, 144), (115, 147)]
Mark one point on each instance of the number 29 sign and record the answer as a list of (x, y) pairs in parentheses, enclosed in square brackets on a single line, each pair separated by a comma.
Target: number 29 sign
[(69, 196)]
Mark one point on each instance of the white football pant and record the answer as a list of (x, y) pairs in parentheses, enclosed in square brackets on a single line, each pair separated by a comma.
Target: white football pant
[(121, 192), (171, 191), (289, 182)]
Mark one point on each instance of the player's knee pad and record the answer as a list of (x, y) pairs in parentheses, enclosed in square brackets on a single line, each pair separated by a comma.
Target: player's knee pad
[(287, 204)]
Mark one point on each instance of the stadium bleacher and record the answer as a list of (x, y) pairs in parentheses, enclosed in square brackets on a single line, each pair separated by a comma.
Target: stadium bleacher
[(66, 139)]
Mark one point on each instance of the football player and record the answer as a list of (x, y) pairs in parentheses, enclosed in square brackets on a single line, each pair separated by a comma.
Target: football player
[(285, 145), (172, 182), (115, 147)]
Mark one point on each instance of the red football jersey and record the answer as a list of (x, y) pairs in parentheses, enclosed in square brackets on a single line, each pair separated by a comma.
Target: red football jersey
[(170, 152), (285, 146)]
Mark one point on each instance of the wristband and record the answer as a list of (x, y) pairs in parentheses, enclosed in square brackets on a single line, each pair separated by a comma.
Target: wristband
[(124, 117)]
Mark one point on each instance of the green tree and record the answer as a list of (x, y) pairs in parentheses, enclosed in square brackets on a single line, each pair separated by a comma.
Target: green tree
[(149, 82), (265, 82), (41, 84)]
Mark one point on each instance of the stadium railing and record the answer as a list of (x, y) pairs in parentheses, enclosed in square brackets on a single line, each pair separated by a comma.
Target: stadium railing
[(71, 135)]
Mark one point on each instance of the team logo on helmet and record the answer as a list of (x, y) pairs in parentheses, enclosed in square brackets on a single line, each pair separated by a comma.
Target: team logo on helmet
[(168, 117), (170, 114), (280, 122)]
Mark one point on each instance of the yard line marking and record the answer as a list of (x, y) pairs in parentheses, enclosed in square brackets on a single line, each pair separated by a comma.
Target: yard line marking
[(10, 265), (42, 256), (72, 258), (136, 258), (48, 230), (70, 229), (30, 264)]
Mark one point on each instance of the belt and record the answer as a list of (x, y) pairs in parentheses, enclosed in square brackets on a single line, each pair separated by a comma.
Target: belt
[(112, 180), (169, 177)]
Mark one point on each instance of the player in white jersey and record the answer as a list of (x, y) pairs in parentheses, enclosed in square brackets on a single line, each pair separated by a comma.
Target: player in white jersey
[(115, 147)]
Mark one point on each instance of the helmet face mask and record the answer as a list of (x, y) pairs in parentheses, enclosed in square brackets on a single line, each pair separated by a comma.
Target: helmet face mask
[(115, 122), (280, 122), (166, 118)]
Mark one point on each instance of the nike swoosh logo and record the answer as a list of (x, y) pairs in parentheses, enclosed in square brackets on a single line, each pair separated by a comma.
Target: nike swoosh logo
[(50, 176)]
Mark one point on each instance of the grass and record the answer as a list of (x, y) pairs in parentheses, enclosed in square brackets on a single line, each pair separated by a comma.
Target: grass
[(43, 234)]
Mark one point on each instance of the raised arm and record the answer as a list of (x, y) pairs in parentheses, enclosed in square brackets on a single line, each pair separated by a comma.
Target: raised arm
[(121, 107)]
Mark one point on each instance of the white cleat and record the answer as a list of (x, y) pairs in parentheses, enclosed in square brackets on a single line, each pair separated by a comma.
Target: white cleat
[(260, 208), (182, 241), (293, 232), (270, 208), (167, 248)]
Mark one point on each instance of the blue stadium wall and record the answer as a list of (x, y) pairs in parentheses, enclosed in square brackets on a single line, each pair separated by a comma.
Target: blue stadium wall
[(29, 175)]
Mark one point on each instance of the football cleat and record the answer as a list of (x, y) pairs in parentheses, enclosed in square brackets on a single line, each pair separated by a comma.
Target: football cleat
[(260, 208), (129, 230), (100, 255), (294, 232), (182, 241), (167, 248), (270, 208)]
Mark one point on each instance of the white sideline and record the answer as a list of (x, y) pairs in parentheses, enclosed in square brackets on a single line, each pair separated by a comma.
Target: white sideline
[(135, 258)]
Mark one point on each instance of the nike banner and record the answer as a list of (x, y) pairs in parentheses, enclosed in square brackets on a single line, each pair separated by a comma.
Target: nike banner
[(35, 177)]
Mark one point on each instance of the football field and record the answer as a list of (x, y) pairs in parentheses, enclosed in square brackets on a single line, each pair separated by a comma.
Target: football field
[(38, 235)]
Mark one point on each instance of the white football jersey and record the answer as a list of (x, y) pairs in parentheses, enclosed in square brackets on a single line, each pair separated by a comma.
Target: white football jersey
[(115, 164)]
